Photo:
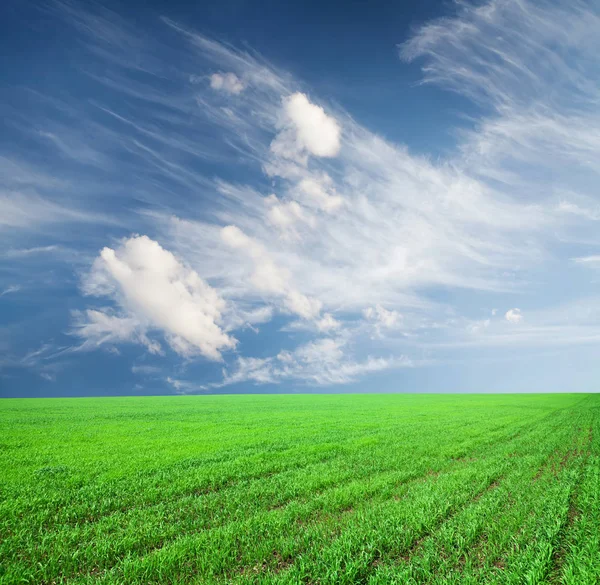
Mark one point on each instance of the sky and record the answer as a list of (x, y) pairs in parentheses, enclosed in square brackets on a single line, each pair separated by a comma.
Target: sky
[(229, 197)]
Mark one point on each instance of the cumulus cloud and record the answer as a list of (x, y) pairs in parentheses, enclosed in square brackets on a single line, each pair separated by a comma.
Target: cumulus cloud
[(514, 316), (227, 82), (305, 128), (154, 291)]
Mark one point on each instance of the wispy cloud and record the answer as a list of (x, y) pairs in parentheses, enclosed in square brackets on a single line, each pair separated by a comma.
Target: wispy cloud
[(145, 370), (531, 67), (364, 230), (28, 252), (323, 362), (23, 211), (588, 260), (13, 288), (270, 201), (44, 360), (227, 82)]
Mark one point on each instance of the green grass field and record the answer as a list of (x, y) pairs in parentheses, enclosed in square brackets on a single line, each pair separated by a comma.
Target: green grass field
[(322, 489)]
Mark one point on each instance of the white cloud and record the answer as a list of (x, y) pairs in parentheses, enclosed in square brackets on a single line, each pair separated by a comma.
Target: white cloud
[(319, 192), (320, 362), (590, 260), (145, 370), (26, 252), (305, 307), (184, 386), (371, 236), (227, 82), (305, 128), (156, 291), (538, 136), (99, 328), (591, 213), (514, 316), (26, 211), (286, 215), (382, 316), (13, 288), (328, 323), (267, 277)]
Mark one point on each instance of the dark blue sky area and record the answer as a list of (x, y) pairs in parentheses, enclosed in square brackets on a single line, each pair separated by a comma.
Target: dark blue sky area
[(344, 50)]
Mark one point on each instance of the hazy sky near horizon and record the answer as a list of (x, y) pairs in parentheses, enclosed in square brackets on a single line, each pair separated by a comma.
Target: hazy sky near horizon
[(320, 196)]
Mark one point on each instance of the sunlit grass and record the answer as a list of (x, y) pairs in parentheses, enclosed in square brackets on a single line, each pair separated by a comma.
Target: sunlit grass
[(301, 489)]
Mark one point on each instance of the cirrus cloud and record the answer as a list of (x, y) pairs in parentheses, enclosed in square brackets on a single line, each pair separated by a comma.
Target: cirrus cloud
[(335, 229)]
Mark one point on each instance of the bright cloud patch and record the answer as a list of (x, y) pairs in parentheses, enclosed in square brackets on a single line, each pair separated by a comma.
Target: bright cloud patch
[(154, 292), (102, 327), (382, 316), (306, 128), (320, 192), (268, 277), (227, 82), (514, 316)]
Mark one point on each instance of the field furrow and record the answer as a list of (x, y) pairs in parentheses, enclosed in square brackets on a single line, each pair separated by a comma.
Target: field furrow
[(301, 489)]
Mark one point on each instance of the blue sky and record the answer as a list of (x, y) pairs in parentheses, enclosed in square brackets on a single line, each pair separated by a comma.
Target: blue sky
[(315, 197)]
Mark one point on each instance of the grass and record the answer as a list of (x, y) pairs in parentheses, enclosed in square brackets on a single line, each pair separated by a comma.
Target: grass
[(373, 489)]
